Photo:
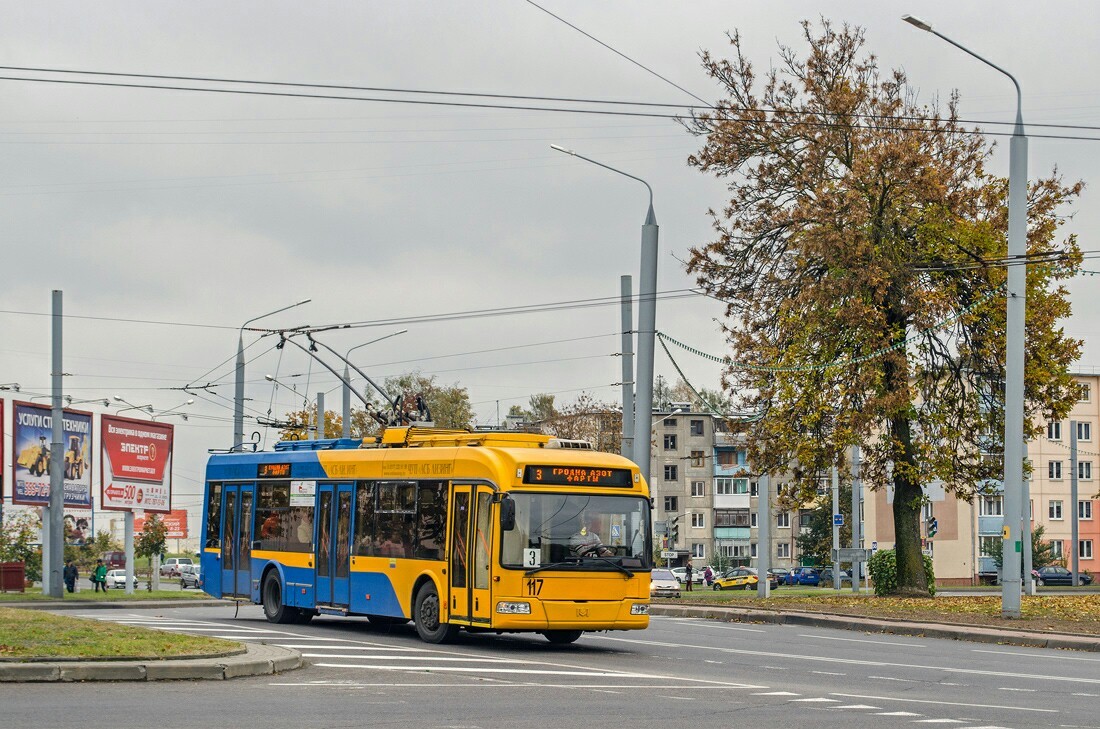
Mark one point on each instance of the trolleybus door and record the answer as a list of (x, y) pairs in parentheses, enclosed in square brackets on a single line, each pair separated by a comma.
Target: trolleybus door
[(470, 553), (333, 543), (236, 555)]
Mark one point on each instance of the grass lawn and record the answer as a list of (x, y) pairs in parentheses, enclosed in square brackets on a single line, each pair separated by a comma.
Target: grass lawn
[(31, 634), (1077, 614), (34, 594)]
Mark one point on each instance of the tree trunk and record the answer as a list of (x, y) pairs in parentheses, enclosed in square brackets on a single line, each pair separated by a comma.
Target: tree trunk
[(912, 581)]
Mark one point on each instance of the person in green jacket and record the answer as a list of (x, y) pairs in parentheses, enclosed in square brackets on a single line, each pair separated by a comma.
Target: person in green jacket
[(99, 576)]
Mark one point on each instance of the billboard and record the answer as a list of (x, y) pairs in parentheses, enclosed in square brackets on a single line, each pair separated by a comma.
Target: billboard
[(32, 434), (1, 454), (137, 464), (175, 521)]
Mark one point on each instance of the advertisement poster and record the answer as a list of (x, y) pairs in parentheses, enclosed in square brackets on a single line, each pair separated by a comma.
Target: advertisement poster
[(2, 492), (137, 464), (32, 433), (175, 521)]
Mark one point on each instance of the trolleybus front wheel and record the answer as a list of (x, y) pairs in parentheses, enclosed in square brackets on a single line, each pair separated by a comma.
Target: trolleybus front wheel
[(274, 609), (426, 616), (562, 637)]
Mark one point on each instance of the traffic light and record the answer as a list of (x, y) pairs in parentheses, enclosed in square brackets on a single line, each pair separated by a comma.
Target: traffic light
[(673, 532), (933, 527)]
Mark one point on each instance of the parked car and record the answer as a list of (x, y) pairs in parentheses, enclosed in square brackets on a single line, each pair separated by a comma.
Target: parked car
[(114, 560), (1057, 575), (190, 576), (662, 583), (803, 576), (116, 579), (739, 578), (681, 575), (171, 566), (826, 577)]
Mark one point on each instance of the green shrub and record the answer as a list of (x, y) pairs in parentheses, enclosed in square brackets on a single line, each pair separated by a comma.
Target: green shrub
[(883, 569)]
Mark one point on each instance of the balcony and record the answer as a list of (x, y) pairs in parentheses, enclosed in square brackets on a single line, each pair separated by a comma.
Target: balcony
[(738, 533), (990, 525)]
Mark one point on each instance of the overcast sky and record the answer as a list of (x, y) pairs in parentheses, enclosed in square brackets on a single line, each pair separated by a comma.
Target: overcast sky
[(168, 218)]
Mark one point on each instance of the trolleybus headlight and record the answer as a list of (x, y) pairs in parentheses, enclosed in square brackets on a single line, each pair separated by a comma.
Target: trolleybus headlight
[(514, 608), (639, 608)]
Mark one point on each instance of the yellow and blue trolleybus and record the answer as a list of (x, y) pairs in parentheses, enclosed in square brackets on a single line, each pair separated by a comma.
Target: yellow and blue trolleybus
[(454, 530)]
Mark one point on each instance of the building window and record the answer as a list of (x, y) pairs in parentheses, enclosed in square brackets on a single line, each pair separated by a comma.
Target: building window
[(783, 520), (986, 545), (697, 458), (1084, 549), (1054, 470), (696, 427), (1054, 511), (752, 520), (698, 488), (670, 441), (698, 520), (698, 550), (1084, 431), (1084, 470), (1085, 392), (670, 422), (754, 488), (726, 458), (1054, 431), (989, 506), (783, 550), (670, 503), (729, 486), (1084, 509), (752, 550), (731, 517), (1056, 548), (670, 473), (805, 518)]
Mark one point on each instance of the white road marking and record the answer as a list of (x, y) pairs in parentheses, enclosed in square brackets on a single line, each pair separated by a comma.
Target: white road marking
[(891, 678), (856, 706), (1005, 688), (775, 693), (817, 700), (828, 673), (353, 647), (479, 669), (853, 661), (415, 658), (1090, 695), (1058, 656), (989, 726), (939, 721), (861, 640), (946, 703), (897, 713)]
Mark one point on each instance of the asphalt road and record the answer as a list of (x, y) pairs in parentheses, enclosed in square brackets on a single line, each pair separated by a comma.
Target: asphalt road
[(680, 672)]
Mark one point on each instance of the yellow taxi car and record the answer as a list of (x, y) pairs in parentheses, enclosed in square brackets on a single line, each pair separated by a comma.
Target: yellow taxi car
[(739, 578)]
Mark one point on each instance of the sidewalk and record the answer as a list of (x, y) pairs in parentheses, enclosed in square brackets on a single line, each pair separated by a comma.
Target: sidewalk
[(253, 659), (961, 631)]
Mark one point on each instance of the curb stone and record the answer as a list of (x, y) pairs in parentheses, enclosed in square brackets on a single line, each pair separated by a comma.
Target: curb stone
[(972, 633)]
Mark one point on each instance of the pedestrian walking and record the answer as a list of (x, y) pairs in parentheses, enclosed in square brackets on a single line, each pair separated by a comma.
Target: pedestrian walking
[(687, 576), (708, 575), (99, 577), (69, 575)]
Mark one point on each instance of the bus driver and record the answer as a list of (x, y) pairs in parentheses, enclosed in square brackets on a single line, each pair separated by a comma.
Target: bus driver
[(586, 542)]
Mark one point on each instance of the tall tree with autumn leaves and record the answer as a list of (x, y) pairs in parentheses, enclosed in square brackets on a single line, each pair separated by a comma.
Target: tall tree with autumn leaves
[(862, 254)]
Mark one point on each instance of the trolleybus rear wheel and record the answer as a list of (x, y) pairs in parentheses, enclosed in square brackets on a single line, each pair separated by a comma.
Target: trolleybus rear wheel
[(274, 609), (562, 637), (426, 616)]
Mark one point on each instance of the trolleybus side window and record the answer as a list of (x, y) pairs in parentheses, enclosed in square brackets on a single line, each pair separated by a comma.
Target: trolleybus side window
[(213, 515), (271, 517), (481, 546), (431, 519), (461, 522), (364, 518), (396, 518)]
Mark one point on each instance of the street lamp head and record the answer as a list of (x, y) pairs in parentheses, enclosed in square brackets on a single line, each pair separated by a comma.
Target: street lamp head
[(563, 149), (917, 23), (269, 378), (13, 386)]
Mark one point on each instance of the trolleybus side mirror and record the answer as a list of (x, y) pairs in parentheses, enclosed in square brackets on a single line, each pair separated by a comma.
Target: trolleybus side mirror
[(507, 515)]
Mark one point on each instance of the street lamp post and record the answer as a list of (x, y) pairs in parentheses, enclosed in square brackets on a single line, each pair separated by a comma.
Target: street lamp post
[(1014, 345), (647, 323), (347, 381), (238, 393)]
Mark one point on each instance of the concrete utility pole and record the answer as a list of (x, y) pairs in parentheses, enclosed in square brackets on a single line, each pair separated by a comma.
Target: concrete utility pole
[(1014, 344), (319, 421), (764, 534), (857, 522), (54, 555), (836, 529), (647, 324), (1074, 560), (626, 294)]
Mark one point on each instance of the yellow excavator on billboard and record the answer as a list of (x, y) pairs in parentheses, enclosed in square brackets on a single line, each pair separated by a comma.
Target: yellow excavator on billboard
[(36, 459), (76, 458)]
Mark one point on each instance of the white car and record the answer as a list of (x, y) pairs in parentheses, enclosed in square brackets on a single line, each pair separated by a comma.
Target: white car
[(681, 575), (116, 579), (662, 583), (171, 566)]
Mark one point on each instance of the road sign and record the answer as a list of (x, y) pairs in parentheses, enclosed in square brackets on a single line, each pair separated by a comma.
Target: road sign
[(660, 528), (850, 554), (874, 547), (838, 520), (666, 554)]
